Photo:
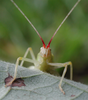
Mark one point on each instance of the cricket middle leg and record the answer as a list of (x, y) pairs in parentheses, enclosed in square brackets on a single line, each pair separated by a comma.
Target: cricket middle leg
[(59, 65)]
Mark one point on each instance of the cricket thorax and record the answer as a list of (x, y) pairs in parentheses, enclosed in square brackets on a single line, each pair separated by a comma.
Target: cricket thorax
[(44, 56), (45, 52)]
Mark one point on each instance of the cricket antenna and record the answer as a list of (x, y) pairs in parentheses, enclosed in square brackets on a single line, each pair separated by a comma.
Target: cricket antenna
[(63, 22), (29, 22)]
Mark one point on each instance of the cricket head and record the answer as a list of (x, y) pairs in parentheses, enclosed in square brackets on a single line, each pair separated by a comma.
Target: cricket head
[(45, 50)]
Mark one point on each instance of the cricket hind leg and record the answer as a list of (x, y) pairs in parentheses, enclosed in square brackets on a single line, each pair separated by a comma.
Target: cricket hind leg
[(16, 66), (26, 53), (59, 65)]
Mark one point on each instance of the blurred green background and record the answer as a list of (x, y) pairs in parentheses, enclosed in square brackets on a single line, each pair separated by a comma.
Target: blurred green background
[(69, 44)]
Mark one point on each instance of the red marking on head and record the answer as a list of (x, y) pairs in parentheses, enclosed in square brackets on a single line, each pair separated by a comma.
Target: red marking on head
[(44, 42), (49, 43)]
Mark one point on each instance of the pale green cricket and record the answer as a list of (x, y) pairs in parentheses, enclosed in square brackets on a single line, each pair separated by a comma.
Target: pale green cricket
[(44, 61)]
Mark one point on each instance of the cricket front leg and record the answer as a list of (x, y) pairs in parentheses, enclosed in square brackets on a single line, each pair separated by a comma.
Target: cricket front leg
[(59, 65), (17, 63), (15, 73), (26, 53)]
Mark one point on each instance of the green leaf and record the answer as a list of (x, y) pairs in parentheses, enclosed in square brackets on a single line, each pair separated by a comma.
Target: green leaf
[(39, 86)]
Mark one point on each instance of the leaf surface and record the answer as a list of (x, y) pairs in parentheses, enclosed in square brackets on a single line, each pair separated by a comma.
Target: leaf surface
[(39, 86)]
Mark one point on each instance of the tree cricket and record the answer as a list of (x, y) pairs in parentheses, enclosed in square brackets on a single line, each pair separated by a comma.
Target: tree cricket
[(44, 60)]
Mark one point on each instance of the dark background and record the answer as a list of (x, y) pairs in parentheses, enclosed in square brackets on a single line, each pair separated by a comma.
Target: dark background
[(69, 44)]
